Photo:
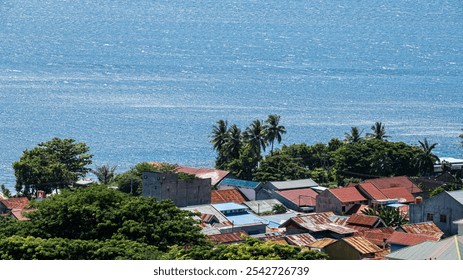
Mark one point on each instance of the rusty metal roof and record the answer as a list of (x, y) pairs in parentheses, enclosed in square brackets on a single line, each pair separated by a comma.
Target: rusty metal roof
[(346, 195), (230, 237), (409, 239), (228, 195), (317, 222), (303, 239), (322, 243), (427, 228), (363, 220), (393, 182), (362, 245), (377, 236)]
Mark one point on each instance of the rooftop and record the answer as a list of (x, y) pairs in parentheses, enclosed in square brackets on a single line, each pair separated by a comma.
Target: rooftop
[(393, 182), (346, 195), (403, 238), (294, 184), (216, 175), (229, 206), (457, 195), (229, 195), (446, 249), (362, 245), (239, 183), (300, 197), (230, 237), (321, 243), (261, 206), (15, 202), (303, 239), (317, 222), (427, 228)]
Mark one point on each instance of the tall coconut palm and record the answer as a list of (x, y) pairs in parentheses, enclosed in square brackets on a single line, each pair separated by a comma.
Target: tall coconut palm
[(379, 132), (273, 130), (234, 142), (219, 135), (425, 159), (105, 173), (255, 136), (354, 136)]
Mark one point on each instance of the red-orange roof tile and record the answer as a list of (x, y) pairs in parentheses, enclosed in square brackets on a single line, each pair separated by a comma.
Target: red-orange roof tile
[(372, 191), (399, 193), (230, 237), (15, 202), (300, 197), (394, 182), (228, 195), (346, 195), (409, 239)]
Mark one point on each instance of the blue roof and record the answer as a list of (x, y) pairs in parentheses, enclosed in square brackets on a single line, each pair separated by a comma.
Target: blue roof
[(229, 206), (395, 205), (239, 183), (244, 219)]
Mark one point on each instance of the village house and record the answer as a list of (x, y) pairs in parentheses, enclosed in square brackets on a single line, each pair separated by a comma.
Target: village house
[(399, 240), (362, 222), (261, 207), (268, 188), (426, 228), (227, 195), (13, 204), (339, 200), (352, 248), (383, 196), (396, 182), (442, 209), (248, 188)]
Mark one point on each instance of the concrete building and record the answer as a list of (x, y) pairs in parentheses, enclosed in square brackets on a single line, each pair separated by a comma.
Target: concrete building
[(442, 209), (183, 193), (339, 200)]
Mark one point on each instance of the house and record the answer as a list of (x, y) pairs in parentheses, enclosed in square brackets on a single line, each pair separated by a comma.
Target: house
[(268, 188), (300, 200), (262, 206), (164, 186), (362, 222), (427, 228), (382, 196), (247, 188), (442, 209), (352, 248), (450, 248), (227, 195), (377, 236), (275, 221), (302, 239), (395, 182), (339, 200), (215, 175), (239, 217), (13, 204), (399, 240), (319, 225)]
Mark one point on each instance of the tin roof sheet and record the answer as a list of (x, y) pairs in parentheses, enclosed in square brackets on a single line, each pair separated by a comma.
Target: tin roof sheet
[(294, 184), (230, 237), (457, 195), (399, 193), (427, 228), (321, 243), (300, 197), (227, 206), (362, 245), (261, 206), (346, 195), (206, 209), (303, 239), (363, 220), (229, 195), (393, 182), (403, 238), (450, 248), (372, 191), (317, 222)]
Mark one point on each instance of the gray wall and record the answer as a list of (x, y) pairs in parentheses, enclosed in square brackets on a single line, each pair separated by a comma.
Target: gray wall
[(183, 193), (441, 204)]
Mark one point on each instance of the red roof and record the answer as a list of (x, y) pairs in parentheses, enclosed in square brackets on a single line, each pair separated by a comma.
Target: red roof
[(15, 202), (229, 195), (394, 182), (376, 236), (372, 191), (399, 193), (230, 237), (363, 220), (346, 195), (409, 239), (300, 197)]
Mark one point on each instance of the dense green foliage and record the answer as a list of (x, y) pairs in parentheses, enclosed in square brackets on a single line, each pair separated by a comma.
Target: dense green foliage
[(391, 216), (52, 165), (105, 173)]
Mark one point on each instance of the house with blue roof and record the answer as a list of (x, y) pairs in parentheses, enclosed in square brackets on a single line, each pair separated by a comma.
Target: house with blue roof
[(248, 188), (240, 218)]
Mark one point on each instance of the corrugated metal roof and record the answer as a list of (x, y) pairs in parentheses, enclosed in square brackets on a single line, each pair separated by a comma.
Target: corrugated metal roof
[(321, 243), (230, 237), (303, 239), (428, 228), (300, 197), (261, 206), (239, 183), (229, 195), (294, 184), (206, 209), (392, 182), (377, 236), (317, 222), (403, 238), (346, 195), (446, 249), (246, 219), (227, 206), (362, 245), (279, 218), (457, 195), (15, 202), (399, 193), (372, 191), (364, 220)]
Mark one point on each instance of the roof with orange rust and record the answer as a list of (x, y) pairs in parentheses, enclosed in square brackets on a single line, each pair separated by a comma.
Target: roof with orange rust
[(230, 237), (347, 194), (15, 202), (302, 239), (362, 245), (427, 228), (322, 243), (409, 239), (364, 220), (229, 195), (393, 182), (300, 197), (317, 222)]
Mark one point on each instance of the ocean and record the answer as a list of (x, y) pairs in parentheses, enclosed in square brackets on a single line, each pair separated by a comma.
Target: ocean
[(146, 80)]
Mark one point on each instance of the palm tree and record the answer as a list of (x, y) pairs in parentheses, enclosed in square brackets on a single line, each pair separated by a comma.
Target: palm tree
[(255, 136), (354, 136), (234, 142), (425, 159), (379, 132), (273, 130), (105, 173), (219, 136)]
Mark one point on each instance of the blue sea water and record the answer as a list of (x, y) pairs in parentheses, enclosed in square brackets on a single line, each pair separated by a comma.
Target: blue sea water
[(145, 80)]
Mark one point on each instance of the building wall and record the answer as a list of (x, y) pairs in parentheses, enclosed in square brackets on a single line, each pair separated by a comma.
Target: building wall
[(442, 204), (340, 250), (327, 202), (183, 193)]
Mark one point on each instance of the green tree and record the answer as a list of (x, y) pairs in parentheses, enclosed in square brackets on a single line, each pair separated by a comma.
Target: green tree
[(255, 136), (51, 165), (354, 136), (235, 142), (391, 216), (273, 130), (280, 167), (105, 173), (219, 140), (425, 160), (379, 132), (245, 165), (5, 192)]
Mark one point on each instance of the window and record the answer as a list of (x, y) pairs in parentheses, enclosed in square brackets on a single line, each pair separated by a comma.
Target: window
[(429, 217), (443, 218)]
